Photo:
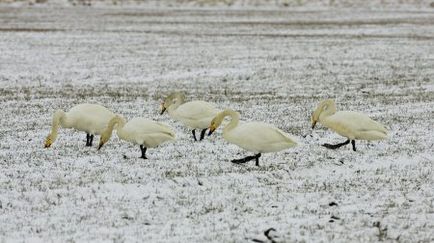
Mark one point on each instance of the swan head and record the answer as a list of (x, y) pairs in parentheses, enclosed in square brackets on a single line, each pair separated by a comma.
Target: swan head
[(215, 123), (48, 142), (173, 98), (163, 108), (116, 122), (104, 138), (325, 108)]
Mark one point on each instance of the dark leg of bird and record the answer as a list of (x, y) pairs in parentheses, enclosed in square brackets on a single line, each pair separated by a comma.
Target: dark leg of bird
[(257, 159), (335, 146), (202, 134), (143, 149), (194, 134), (247, 159), (353, 142), (87, 139), (90, 140)]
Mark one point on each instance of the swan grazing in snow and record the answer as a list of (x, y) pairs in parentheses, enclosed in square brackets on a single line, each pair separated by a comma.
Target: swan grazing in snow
[(256, 137), (141, 131), (89, 118), (194, 114), (349, 124)]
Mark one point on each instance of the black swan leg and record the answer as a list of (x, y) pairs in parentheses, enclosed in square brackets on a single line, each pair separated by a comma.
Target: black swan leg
[(202, 134), (90, 140), (143, 149), (247, 159), (194, 134), (353, 142), (335, 146), (257, 159), (87, 139)]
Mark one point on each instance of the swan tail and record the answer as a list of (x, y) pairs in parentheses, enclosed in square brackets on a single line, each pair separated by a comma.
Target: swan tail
[(290, 140)]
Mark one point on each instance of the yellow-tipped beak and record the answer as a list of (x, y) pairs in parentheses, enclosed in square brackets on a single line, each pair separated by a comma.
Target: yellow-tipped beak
[(163, 109), (47, 144), (313, 124), (211, 130), (100, 145)]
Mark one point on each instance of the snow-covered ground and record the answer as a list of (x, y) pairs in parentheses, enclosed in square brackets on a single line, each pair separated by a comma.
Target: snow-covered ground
[(271, 65)]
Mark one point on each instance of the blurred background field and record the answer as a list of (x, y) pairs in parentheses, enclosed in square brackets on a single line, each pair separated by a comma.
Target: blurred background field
[(271, 60)]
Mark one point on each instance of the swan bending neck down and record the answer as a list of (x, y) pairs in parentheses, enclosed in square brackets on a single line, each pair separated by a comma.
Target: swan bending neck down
[(349, 124), (90, 118), (256, 137), (195, 114), (141, 131), (59, 119), (118, 122), (172, 102)]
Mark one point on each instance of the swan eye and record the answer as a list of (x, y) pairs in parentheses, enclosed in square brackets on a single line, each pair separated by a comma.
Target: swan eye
[(325, 108)]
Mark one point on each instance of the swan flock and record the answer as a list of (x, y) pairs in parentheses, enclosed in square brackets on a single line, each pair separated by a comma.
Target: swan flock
[(255, 137)]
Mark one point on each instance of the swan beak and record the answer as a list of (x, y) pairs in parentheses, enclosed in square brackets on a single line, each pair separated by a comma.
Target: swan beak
[(211, 130), (100, 145), (163, 109), (47, 143), (313, 124)]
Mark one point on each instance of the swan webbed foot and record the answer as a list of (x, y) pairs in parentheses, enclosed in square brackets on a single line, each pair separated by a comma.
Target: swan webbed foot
[(89, 139), (238, 161), (243, 160), (247, 159), (202, 134), (194, 134), (143, 149), (335, 146)]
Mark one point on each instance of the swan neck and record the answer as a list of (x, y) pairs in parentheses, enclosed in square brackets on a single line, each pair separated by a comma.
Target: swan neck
[(235, 118), (59, 119), (327, 113), (179, 100), (117, 123)]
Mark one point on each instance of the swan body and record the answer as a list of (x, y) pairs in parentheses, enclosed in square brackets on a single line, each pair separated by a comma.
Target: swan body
[(140, 131), (193, 114), (89, 118), (349, 124), (257, 137)]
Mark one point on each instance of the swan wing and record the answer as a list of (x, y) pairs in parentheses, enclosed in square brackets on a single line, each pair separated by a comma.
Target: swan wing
[(144, 126), (90, 110), (91, 118), (260, 137), (356, 125), (196, 110)]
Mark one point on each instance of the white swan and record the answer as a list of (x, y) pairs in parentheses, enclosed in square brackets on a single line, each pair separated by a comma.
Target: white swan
[(89, 118), (193, 114), (349, 124), (256, 137), (141, 131)]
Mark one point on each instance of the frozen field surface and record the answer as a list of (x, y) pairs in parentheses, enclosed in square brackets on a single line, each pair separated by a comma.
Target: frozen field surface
[(271, 65)]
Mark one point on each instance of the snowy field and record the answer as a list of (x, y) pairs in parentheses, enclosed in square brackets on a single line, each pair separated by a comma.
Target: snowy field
[(271, 65)]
